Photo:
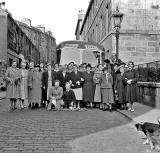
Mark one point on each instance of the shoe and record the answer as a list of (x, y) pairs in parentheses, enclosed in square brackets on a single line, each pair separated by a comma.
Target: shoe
[(132, 110)]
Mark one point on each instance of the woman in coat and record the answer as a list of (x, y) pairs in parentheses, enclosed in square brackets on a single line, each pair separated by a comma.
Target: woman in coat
[(130, 79), (96, 79), (106, 82), (35, 86), (13, 77), (76, 81), (55, 96), (23, 85), (88, 86), (119, 87)]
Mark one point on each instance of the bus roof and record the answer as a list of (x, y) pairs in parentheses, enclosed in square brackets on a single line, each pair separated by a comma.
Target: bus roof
[(81, 45)]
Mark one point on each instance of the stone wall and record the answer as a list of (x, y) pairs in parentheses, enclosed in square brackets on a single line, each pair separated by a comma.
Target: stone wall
[(148, 93), (140, 48), (139, 14), (140, 36), (45, 43)]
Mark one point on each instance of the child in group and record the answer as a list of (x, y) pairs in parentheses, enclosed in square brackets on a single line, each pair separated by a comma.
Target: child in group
[(68, 97), (106, 82)]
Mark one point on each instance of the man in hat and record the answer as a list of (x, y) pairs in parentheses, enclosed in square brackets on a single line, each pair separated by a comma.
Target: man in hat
[(63, 77)]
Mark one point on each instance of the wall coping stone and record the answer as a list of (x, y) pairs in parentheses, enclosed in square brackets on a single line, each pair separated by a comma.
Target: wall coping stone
[(149, 84)]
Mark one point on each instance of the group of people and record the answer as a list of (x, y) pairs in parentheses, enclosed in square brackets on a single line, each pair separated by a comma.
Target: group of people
[(71, 86)]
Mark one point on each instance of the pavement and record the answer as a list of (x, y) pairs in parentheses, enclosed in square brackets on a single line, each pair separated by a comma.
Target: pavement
[(92, 131), (121, 139), (41, 131), (2, 95), (142, 113)]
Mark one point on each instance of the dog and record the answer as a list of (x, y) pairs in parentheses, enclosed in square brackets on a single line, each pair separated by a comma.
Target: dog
[(155, 140), (150, 130)]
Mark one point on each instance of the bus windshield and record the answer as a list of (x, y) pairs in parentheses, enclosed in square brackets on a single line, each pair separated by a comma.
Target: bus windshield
[(79, 52)]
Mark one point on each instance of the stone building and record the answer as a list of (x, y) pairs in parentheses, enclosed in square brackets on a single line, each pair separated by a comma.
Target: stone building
[(140, 30), (14, 43), (42, 39)]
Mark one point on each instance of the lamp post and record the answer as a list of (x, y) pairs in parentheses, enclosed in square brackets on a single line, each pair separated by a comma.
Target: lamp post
[(117, 20)]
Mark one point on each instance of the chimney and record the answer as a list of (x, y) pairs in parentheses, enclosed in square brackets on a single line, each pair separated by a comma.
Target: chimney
[(40, 27), (26, 21), (2, 5), (81, 15), (49, 32)]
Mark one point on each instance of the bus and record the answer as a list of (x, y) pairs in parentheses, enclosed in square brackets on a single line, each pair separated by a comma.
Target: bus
[(80, 52)]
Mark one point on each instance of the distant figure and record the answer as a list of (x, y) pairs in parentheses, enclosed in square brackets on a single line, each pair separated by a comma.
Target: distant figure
[(13, 77), (63, 77), (55, 96), (68, 97), (48, 79), (30, 73), (96, 78), (119, 87), (88, 86), (56, 69), (23, 85), (76, 80), (35, 87), (130, 79), (106, 82)]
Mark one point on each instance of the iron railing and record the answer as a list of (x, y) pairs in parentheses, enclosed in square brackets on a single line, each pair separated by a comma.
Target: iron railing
[(149, 72)]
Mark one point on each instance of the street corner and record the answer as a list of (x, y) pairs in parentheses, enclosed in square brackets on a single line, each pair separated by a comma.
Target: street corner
[(122, 139)]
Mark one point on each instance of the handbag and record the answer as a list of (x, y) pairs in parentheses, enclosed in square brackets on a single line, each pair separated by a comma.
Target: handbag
[(116, 96), (61, 102), (53, 102)]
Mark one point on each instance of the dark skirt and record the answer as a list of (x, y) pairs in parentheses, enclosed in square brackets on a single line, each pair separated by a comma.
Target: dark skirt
[(107, 96), (44, 94)]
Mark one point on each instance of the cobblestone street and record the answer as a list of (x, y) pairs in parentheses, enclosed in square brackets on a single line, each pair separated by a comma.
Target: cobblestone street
[(40, 131)]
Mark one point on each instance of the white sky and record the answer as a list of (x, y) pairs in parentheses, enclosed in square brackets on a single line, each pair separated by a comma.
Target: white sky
[(59, 16)]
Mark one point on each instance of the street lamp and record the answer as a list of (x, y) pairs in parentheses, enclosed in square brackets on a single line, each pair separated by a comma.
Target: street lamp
[(117, 19)]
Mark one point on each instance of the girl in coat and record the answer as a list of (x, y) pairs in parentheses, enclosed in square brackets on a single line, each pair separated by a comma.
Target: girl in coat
[(13, 77), (106, 82), (130, 79)]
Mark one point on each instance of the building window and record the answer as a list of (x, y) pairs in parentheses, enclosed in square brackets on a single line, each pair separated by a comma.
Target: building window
[(96, 32), (93, 35), (107, 30), (101, 26), (104, 25), (109, 17)]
